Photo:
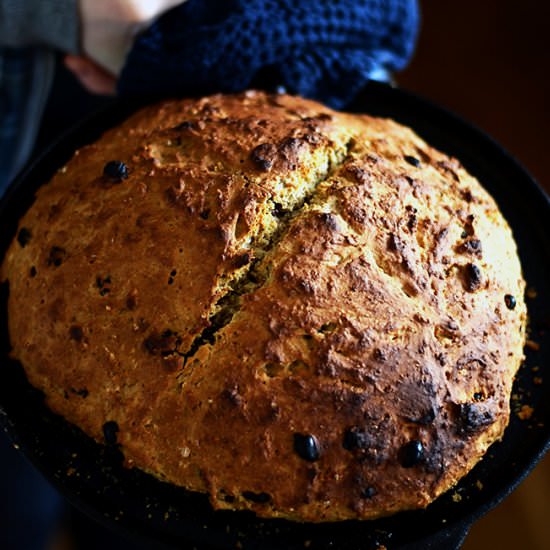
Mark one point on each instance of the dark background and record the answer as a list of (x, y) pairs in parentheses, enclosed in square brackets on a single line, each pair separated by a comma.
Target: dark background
[(489, 61)]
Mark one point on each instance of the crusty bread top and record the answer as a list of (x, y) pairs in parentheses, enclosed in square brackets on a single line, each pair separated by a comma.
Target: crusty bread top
[(305, 313)]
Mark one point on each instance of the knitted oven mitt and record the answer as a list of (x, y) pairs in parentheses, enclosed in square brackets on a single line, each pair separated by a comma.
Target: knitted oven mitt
[(324, 50)]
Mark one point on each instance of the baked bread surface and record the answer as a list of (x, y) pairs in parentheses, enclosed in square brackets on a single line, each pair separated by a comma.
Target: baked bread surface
[(305, 313)]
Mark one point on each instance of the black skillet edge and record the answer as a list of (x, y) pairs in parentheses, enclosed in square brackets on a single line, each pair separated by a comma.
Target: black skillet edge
[(422, 529)]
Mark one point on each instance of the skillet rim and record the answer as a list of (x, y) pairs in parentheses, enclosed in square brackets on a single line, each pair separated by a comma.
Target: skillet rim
[(379, 530)]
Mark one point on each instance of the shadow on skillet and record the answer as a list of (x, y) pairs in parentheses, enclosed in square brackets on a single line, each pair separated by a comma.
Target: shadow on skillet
[(92, 477)]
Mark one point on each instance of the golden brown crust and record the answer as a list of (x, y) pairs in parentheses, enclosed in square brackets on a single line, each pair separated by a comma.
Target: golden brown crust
[(298, 311)]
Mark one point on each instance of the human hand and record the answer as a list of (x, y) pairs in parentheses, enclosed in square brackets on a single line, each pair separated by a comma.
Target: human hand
[(91, 75), (108, 29)]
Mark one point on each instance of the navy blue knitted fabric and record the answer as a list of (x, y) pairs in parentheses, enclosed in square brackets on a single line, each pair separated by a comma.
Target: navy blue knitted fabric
[(326, 50)]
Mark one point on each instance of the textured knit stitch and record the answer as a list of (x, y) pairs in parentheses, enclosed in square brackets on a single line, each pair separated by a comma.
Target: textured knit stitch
[(325, 50)]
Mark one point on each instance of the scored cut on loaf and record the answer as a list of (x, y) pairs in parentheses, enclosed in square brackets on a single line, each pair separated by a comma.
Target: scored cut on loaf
[(309, 314)]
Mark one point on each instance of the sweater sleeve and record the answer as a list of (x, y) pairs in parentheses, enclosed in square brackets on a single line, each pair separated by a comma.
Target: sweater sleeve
[(54, 24)]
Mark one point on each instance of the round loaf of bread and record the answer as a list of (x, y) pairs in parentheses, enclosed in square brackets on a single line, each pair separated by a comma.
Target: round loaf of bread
[(308, 314)]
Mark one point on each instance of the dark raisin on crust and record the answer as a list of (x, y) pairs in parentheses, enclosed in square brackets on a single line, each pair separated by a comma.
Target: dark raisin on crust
[(76, 333), (103, 283), (24, 237), (56, 256), (306, 446), (467, 195), (116, 171), (471, 246), (510, 301), (413, 161), (473, 277), (411, 453)]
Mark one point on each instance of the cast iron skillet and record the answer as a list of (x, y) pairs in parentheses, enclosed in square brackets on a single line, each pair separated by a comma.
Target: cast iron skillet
[(93, 479)]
